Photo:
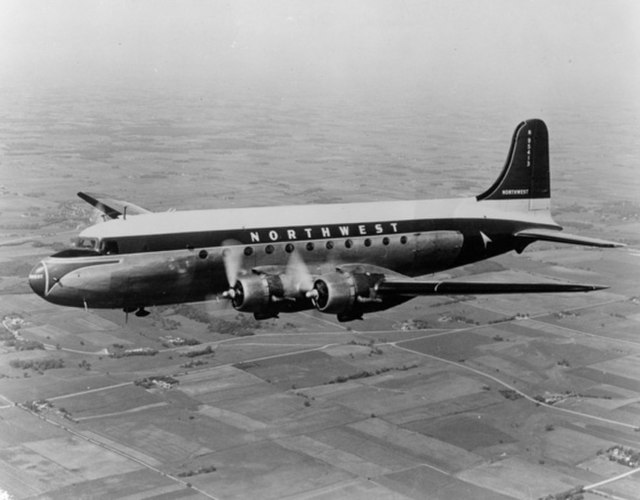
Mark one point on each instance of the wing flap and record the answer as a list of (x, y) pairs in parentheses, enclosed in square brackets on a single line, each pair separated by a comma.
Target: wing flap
[(561, 237), (414, 288), (111, 207)]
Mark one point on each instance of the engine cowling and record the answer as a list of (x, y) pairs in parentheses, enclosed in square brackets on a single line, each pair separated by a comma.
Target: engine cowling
[(251, 293), (266, 295), (346, 294)]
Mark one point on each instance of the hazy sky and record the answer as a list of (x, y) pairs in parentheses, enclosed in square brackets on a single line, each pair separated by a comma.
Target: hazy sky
[(440, 46)]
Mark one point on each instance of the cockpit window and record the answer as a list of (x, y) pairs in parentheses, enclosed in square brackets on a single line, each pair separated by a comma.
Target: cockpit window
[(81, 247), (109, 247), (86, 243)]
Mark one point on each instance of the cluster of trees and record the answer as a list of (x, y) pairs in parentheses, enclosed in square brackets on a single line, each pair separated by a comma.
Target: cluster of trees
[(37, 406), (572, 494), (193, 363), (200, 352), (38, 365), (149, 382), (179, 341), (243, 324), (201, 470), (623, 455), (340, 379), (24, 345), (140, 351), (371, 345), (510, 394), (9, 334)]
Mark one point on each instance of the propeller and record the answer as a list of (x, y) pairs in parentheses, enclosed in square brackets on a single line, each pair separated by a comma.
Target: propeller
[(302, 279), (232, 257), (296, 275), (296, 281), (314, 293)]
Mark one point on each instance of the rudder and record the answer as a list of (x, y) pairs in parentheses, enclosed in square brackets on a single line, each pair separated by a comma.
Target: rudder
[(526, 171)]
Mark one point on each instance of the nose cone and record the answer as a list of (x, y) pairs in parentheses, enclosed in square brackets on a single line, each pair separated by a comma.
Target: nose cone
[(38, 279)]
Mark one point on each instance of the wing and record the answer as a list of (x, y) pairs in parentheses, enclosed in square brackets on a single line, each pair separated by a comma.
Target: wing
[(390, 283), (560, 237), (414, 288), (111, 207), (393, 283)]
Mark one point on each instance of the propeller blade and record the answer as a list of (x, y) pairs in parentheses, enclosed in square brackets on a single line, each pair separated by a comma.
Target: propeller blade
[(313, 295), (216, 303), (232, 258), (297, 273)]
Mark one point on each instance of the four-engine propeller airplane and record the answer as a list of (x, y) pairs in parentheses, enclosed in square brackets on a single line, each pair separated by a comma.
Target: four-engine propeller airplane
[(342, 259)]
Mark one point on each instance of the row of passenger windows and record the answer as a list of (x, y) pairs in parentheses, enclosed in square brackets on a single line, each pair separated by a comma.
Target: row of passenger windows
[(310, 246), (111, 246)]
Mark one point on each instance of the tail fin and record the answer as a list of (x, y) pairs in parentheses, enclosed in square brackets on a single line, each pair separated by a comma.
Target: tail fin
[(526, 173)]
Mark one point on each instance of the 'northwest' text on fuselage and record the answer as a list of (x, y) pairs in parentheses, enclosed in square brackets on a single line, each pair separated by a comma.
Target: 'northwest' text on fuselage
[(323, 232)]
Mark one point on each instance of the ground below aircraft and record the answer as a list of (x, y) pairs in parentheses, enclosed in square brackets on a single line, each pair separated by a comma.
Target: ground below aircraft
[(343, 259)]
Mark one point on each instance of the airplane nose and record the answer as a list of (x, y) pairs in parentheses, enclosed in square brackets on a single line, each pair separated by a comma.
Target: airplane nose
[(38, 279)]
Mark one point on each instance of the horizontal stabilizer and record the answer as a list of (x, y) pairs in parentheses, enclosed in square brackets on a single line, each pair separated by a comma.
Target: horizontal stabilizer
[(415, 288), (111, 207), (560, 237)]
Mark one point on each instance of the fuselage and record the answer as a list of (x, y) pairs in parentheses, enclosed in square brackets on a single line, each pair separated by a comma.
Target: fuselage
[(173, 257)]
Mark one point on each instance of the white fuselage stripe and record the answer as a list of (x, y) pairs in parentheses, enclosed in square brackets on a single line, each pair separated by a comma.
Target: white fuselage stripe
[(315, 215)]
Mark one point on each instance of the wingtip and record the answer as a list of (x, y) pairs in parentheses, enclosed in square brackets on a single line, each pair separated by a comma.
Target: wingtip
[(588, 287), (611, 244)]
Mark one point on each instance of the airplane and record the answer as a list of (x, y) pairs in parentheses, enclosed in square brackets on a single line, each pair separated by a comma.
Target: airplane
[(344, 259)]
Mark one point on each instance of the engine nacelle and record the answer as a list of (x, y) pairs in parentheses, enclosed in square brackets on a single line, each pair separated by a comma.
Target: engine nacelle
[(346, 294), (266, 295), (251, 293)]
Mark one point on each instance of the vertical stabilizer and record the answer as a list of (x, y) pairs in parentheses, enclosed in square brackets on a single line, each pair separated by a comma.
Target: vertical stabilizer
[(525, 175)]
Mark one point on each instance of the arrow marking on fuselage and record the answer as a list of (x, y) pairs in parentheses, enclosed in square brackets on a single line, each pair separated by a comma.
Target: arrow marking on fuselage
[(485, 239)]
